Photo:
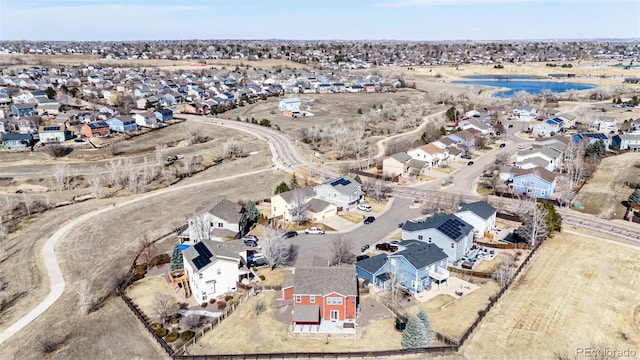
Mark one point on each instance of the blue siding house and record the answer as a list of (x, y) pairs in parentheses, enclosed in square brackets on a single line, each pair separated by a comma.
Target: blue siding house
[(164, 115), (122, 124), (23, 109), (416, 268), (537, 182), (16, 141), (450, 233)]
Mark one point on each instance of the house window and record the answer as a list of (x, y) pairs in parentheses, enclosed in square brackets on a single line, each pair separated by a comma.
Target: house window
[(338, 301), (312, 299), (211, 224), (220, 225), (420, 237), (542, 192), (219, 271), (204, 297), (453, 245), (200, 276), (429, 238), (414, 284), (298, 298)]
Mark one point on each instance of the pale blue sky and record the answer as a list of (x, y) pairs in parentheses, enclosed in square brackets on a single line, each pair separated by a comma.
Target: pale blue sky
[(318, 19)]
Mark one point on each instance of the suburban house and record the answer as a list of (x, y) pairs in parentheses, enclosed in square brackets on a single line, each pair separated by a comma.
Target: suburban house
[(16, 141), (537, 182), (323, 297), (343, 192), (551, 159), (557, 143), (415, 268), (48, 106), (464, 140), (283, 203), (225, 220), (431, 154), (450, 233), (568, 120), (163, 115), (444, 143), (480, 215), (318, 209), (603, 124), (525, 113), (635, 125), (55, 133), (213, 268), (122, 124), (146, 119), (396, 164), (475, 124), (591, 138), (95, 129), (629, 142), (289, 104), (546, 128), (21, 110)]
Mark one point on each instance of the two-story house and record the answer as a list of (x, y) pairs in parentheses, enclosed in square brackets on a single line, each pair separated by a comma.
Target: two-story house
[(322, 294), (164, 115), (54, 133), (629, 142), (343, 192), (536, 182), (396, 164), (226, 220), (213, 268), (146, 119), (434, 156), (464, 140), (552, 158), (546, 128), (603, 124), (122, 124), (16, 141), (480, 215), (95, 129), (283, 203), (22, 110), (415, 268), (524, 113), (450, 233), (290, 104)]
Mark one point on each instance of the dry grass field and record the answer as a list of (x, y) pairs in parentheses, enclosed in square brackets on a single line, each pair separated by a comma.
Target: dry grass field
[(96, 252), (244, 332), (605, 191), (576, 292)]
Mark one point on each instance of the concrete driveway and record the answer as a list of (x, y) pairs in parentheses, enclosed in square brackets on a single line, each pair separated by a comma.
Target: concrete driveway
[(338, 223)]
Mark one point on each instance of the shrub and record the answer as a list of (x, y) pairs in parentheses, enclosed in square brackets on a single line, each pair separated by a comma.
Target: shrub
[(228, 297), (174, 320), (187, 335), (160, 259), (57, 151), (171, 337), (230, 302), (212, 301), (204, 304), (221, 305), (261, 277), (155, 326), (162, 332)]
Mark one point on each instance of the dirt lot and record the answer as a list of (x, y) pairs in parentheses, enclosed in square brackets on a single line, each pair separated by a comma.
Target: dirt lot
[(266, 334), (82, 255), (559, 304), (604, 193)]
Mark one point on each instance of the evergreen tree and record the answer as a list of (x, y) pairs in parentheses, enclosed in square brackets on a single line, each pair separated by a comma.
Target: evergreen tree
[(51, 93), (452, 114), (554, 220), (422, 315), (634, 198), (176, 258), (359, 111), (282, 187), (596, 150), (293, 184), (252, 211), (413, 336), (358, 179)]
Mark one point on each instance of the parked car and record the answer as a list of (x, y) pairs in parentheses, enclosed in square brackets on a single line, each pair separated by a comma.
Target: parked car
[(497, 133), (510, 126), (361, 257), (250, 237), (470, 163), (179, 157), (394, 242), (250, 242), (522, 146), (364, 248), (290, 234), (256, 259), (369, 220), (466, 156), (503, 145), (386, 247), (314, 230), (364, 207)]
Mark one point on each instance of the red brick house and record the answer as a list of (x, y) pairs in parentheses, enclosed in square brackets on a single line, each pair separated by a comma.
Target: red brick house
[(95, 129), (322, 294)]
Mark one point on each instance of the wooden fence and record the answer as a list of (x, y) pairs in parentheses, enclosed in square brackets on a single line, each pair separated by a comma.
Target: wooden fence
[(503, 245), (480, 274)]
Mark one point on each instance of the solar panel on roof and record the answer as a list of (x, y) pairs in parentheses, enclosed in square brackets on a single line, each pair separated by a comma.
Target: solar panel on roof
[(336, 182)]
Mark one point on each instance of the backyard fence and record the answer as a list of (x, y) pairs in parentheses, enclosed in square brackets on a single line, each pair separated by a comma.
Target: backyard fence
[(503, 245), (480, 274)]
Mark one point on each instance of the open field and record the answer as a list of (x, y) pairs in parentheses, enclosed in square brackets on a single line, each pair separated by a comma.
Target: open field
[(605, 191), (266, 334), (576, 292), (96, 252)]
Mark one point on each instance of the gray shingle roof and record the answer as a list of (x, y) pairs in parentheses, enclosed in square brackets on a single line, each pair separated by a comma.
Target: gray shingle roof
[(288, 196), (345, 185), (372, 264), (401, 157), (316, 205), (325, 280), (449, 225), (421, 254), (227, 210), (206, 252), (480, 208)]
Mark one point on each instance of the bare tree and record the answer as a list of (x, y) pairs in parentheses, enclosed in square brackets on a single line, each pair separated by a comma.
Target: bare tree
[(378, 190), (502, 158), (187, 166), (147, 250), (299, 206), (201, 227), (27, 201), (342, 251), (61, 174), (165, 307), (505, 272), (339, 139), (276, 249), (359, 143), (394, 285), (86, 298), (534, 226), (95, 182), (191, 321), (259, 306), (161, 155), (2, 235), (194, 133), (233, 149)]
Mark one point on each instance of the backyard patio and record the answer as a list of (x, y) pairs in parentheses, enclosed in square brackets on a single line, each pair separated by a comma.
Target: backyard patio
[(454, 287)]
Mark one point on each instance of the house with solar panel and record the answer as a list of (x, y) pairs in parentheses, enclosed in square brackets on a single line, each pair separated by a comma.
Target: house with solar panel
[(418, 267), (590, 138), (54, 133), (448, 232), (344, 192), (95, 129), (226, 220), (213, 268)]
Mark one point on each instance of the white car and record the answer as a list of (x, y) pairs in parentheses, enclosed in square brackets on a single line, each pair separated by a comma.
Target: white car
[(364, 207), (314, 230), (522, 146)]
